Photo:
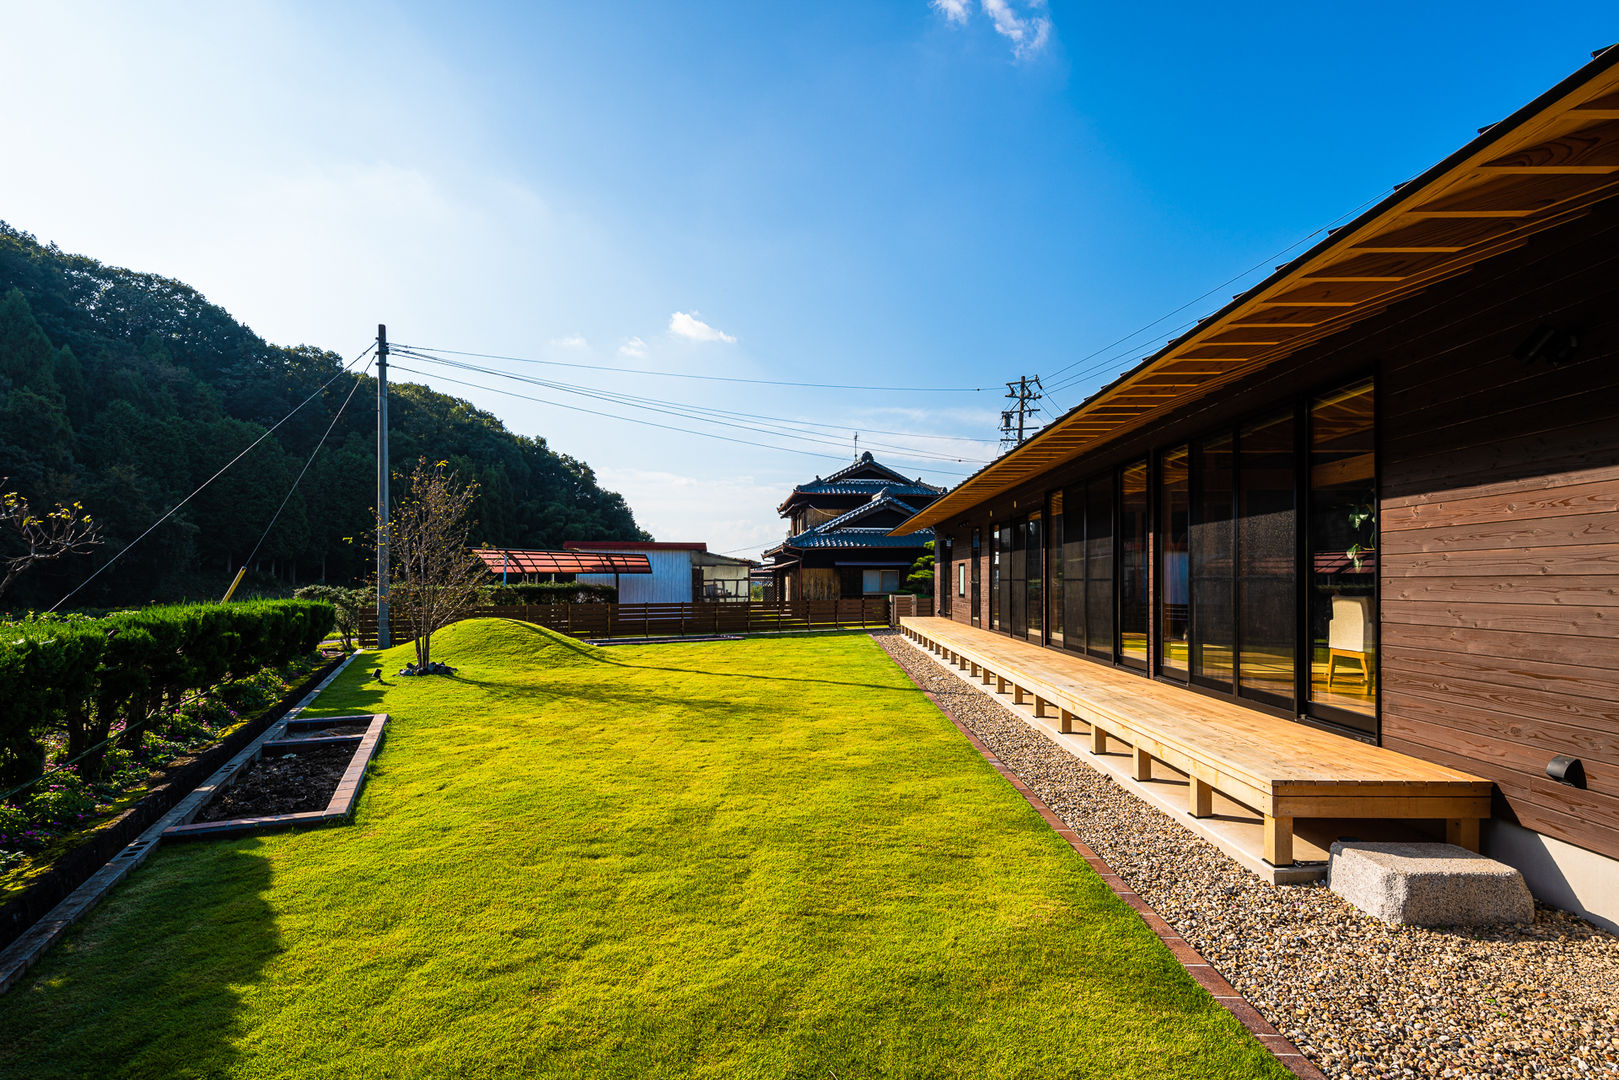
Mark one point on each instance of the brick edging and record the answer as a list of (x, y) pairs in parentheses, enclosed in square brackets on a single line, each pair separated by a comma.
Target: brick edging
[(1199, 968)]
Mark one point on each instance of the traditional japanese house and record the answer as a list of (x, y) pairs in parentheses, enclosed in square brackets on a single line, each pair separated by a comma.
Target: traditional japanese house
[(840, 541), (1375, 496)]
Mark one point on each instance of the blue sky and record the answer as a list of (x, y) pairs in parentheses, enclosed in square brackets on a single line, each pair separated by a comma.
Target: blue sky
[(896, 193)]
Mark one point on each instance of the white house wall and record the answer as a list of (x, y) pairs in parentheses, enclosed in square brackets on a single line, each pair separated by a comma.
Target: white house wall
[(669, 582)]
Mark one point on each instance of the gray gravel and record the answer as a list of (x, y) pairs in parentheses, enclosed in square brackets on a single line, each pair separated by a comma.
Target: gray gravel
[(1358, 997)]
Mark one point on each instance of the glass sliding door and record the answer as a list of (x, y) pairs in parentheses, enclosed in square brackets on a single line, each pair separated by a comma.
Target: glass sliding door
[(1099, 567), (1267, 561), (1342, 567), (1055, 559), (1134, 598), (995, 607), (1212, 544), (1174, 507), (1073, 568), (1005, 590), (976, 573), (1034, 561)]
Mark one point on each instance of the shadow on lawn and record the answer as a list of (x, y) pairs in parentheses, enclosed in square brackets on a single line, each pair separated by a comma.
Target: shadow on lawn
[(603, 656), (152, 980)]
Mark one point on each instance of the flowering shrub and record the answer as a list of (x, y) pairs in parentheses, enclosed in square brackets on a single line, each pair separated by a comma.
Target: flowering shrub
[(63, 800), (13, 824)]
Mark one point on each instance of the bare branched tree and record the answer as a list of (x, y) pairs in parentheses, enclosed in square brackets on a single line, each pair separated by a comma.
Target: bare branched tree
[(27, 538), (435, 575)]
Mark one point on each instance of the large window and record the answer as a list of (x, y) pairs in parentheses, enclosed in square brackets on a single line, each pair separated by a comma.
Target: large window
[(1099, 567), (1054, 560), (1134, 598), (1174, 622), (1267, 561), (1198, 564), (1033, 561), (975, 573), (1212, 545), (1342, 572), (943, 570)]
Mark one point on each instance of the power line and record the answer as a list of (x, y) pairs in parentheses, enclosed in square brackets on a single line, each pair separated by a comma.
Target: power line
[(308, 462), (1025, 396), (646, 423), (681, 410), (175, 508), (706, 378)]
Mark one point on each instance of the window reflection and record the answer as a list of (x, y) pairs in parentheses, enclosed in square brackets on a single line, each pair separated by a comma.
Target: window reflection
[(1133, 596), (1267, 554), (1173, 619), (1343, 553)]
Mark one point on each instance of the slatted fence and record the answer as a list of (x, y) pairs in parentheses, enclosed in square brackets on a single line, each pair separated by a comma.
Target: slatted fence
[(666, 620)]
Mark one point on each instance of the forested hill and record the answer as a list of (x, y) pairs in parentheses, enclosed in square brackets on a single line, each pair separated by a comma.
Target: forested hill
[(124, 391)]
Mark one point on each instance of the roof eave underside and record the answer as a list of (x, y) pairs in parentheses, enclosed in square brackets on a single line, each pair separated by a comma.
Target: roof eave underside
[(1546, 164)]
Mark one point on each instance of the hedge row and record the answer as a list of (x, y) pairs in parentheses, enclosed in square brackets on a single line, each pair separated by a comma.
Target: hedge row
[(82, 677), (548, 592)]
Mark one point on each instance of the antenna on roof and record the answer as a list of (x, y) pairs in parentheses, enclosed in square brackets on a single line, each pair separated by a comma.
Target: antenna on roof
[(857, 446)]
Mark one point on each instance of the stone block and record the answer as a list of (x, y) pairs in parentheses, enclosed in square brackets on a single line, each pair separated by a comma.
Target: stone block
[(1428, 884)]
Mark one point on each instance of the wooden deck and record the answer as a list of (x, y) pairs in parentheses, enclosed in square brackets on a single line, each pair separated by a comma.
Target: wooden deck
[(1280, 769)]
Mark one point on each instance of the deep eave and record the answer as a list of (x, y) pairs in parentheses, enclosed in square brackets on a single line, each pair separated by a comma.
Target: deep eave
[(1544, 165)]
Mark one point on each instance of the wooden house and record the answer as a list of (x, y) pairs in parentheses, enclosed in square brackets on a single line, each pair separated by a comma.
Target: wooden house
[(1374, 497), (840, 540)]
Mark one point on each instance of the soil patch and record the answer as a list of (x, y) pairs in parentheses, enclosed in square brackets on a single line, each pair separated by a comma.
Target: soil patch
[(281, 783)]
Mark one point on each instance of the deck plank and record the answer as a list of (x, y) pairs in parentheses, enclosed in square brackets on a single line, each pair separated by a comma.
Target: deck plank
[(1280, 768)]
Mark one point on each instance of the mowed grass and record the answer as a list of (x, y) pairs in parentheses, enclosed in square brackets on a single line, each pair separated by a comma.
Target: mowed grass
[(765, 858)]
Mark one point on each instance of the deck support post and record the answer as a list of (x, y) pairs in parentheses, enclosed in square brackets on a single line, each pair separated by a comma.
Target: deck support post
[(1278, 840), (1142, 762), (1463, 832), (1018, 694), (1200, 798), (985, 676), (1000, 684), (1098, 740), (1039, 705), (1065, 721)]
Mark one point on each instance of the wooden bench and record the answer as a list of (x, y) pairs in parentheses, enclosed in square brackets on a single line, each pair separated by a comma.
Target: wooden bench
[(1280, 769)]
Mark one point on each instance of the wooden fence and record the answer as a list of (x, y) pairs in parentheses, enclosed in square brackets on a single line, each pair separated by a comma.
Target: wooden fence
[(665, 620)]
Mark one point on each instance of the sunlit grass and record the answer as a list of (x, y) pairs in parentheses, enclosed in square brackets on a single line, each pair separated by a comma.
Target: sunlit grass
[(768, 858)]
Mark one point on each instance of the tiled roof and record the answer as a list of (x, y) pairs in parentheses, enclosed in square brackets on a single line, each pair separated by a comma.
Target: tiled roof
[(859, 538), (881, 500), (842, 483)]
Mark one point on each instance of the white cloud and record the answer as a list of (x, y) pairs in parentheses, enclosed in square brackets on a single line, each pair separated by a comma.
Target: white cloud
[(634, 348), (1029, 31), (572, 341), (690, 326)]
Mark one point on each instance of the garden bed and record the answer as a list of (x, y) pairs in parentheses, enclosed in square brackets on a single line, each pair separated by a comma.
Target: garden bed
[(310, 775), (47, 877)]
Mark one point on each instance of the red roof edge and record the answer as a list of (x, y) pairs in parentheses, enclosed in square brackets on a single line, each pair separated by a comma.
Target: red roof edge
[(633, 545)]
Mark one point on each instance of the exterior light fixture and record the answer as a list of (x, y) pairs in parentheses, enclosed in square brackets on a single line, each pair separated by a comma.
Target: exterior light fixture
[(1566, 770)]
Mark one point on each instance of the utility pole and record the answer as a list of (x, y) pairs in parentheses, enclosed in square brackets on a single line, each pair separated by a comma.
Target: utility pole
[(383, 637), (1025, 395)]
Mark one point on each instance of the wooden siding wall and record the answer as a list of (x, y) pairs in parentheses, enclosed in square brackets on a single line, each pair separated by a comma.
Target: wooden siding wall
[(1499, 523), (1500, 540)]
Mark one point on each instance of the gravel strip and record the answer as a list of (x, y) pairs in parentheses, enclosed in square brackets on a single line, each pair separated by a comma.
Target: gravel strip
[(1358, 997)]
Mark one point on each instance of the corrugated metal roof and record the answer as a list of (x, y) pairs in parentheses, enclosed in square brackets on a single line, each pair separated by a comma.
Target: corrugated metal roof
[(508, 560)]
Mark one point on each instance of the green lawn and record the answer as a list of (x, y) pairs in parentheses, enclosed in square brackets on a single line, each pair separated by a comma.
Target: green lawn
[(769, 858)]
